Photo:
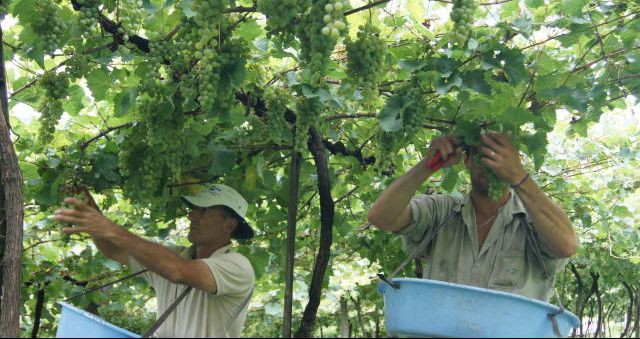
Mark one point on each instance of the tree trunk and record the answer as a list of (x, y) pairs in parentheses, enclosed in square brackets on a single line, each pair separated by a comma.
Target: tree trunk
[(38, 313), (13, 217), (344, 318), (596, 291), (292, 215), (579, 310), (326, 236), (629, 315), (356, 302), (637, 322), (606, 320)]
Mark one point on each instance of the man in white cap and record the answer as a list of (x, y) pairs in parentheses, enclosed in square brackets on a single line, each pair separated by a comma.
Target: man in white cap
[(221, 279)]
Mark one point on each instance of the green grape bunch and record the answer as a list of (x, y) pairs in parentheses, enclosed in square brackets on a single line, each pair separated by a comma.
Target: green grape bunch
[(214, 90), (48, 24), (319, 31), (50, 113), (469, 134), (385, 149), (142, 167), (335, 25), (203, 55), (56, 85), (496, 185), (414, 115), (89, 15), (282, 15), (462, 16), (77, 66), (132, 15), (276, 102), (309, 110), (366, 59)]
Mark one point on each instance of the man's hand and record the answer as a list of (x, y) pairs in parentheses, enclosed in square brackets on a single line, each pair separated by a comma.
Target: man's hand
[(502, 157), (449, 149), (87, 219)]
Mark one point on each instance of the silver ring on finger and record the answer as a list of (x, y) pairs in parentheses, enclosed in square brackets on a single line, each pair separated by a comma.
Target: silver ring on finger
[(492, 154)]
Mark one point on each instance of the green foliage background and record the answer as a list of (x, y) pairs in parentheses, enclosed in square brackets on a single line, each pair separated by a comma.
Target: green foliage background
[(137, 133)]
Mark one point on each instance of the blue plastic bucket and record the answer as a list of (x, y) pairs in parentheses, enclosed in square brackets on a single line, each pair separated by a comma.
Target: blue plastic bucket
[(421, 307), (77, 323)]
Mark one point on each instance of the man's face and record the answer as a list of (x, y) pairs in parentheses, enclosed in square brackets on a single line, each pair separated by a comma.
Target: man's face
[(208, 224), (477, 172)]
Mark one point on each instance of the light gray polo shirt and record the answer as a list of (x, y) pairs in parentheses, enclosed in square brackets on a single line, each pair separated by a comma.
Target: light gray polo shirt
[(202, 314), (506, 262)]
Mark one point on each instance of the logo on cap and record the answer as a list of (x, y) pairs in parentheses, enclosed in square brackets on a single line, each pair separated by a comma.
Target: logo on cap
[(214, 190)]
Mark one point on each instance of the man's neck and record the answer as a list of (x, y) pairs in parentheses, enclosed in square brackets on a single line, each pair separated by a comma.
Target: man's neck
[(205, 251), (485, 206)]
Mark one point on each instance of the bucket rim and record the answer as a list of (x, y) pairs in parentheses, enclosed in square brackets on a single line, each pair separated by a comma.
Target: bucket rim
[(573, 319), (97, 319)]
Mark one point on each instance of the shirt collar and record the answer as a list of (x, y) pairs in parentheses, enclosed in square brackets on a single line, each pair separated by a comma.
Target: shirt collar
[(514, 204), (220, 251), (191, 251), (517, 207)]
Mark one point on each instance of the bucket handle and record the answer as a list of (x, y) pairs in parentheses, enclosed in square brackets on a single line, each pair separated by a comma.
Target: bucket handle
[(553, 315), (390, 283), (554, 321)]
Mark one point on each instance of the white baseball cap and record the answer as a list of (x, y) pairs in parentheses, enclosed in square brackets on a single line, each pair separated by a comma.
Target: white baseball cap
[(216, 195)]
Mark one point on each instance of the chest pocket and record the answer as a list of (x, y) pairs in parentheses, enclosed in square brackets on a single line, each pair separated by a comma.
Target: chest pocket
[(508, 271)]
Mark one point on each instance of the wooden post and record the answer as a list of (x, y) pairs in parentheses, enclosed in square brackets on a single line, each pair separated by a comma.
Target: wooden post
[(13, 217), (344, 318), (292, 215)]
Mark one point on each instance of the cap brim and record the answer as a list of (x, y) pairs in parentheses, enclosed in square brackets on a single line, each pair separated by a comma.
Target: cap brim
[(243, 231)]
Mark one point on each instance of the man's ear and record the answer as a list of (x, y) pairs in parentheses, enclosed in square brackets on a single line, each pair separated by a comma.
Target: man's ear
[(231, 224), (465, 157)]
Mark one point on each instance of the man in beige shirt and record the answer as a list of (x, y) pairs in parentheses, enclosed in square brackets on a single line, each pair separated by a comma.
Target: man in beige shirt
[(222, 279), (485, 243)]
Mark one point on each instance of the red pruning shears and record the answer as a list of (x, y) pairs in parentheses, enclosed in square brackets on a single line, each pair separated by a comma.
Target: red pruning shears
[(436, 162)]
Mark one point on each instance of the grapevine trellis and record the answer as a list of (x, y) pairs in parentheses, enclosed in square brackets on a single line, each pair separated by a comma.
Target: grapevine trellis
[(139, 101)]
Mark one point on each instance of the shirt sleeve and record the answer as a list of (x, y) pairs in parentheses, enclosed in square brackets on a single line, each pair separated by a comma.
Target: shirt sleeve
[(427, 211), (233, 273)]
